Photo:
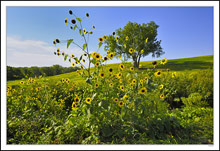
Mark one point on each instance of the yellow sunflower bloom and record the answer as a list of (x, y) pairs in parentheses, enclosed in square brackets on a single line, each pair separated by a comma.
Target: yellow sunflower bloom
[(66, 21), (126, 38), (73, 64), (162, 96), (58, 54), (130, 50), (84, 30), (116, 100), (161, 86), (111, 84), (131, 68), (122, 88), (88, 100), (76, 99), (158, 73), (125, 97), (72, 56), (142, 91), (116, 38), (104, 37), (63, 53), (134, 81), (163, 61), (110, 70), (102, 74), (100, 39), (96, 85), (121, 66), (98, 56), (58, 49), (111, 55), (97, 64), (74, 106), (146, 39), (121, 103)]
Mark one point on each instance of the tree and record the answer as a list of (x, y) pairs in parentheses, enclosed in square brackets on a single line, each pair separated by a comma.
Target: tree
[(135, 41)]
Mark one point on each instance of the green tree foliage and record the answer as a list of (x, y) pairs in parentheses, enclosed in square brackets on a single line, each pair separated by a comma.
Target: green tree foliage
[(134, 36)]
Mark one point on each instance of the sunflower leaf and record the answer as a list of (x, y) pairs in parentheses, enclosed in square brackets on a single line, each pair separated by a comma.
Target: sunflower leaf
[(65, 57), (84, 46), (80, 58), (69, 42), (100, 44), (79, 19), (80, 31), (74, 27)]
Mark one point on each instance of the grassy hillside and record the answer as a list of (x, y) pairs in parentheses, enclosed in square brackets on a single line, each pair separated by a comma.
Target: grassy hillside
[(179, 65)]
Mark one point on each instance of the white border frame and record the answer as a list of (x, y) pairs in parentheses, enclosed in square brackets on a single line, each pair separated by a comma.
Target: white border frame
[(214, 4)]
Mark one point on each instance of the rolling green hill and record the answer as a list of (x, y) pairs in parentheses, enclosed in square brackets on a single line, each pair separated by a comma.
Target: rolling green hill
[(193, 64)]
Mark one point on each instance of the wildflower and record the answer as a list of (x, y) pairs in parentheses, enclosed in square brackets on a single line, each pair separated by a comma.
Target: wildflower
[(121, 103), (142, 51), (161, 86), (116, 38), (72, 56), (88, 100), (9, 87), (97, 64), (76, 99), (168, 70), (126, 38), (119, 75), (58, 54), (162, 96), (83, 60), (130, 50), (74, 106), (87, 14), (63, 80), (111, 55), (113, 33), (116, 100), (22, 82), (173, 74), (131, 84), (125, 97), (70, 12), (122, 88), (154, 63), (100, 39), (132, 68), (121, 66), (93, 54), (73, 21), (66, 21), (96, 85), (146, 39), (157, 74), (58, 50), (98, 56), (111, 84), (54, 42), (104, 37), (163, 61), (142, 90), (102, 75), (110, 70), (63, 53), (142, 82), (134, 81), (84, 30), (105, 58)]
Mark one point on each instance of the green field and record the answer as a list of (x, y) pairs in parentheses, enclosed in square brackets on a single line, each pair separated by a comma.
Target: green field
[(138, 107)]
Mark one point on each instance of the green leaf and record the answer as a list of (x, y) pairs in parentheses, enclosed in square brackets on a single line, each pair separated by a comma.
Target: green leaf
[(80, 58), (65, 57), (89, 80), (100, 44), (79, 19), (84, 46), (69, 42), (74, 27), (80, 31)]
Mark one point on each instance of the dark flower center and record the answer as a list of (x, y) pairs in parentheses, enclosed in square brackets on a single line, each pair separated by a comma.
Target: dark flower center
[(70, 12), (73, 21), (110, 70)]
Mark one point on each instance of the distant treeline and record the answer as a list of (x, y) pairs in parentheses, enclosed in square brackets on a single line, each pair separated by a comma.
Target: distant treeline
[(15, 73)]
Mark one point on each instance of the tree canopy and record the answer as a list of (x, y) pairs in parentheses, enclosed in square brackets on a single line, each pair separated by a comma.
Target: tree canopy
[(135, 41)]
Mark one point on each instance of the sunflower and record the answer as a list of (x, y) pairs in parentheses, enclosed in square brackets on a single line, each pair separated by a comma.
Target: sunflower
[(54, 42), (168, 70), (104, 37), (66, 21), (131, 84), (162, 96), (98, 56), (100, 39), (84, 30), (110, 70), (163, 61), (116, 100), (105, 58), (154, 63), (74, 106), (142, 90), (119, 75), (161, 86), (94, 54), (130, 50), (96, 85), (58, 54), (126, 38), (121, 66), (76, 99), (157, 74), (125, 97), (70, 12), (111, 55), (63, 80), (146, 39), (58, 49), (63, 53), (122, 88), (97, 64), (102, 74), (87, 14), (111, 84), (72, 56), (116, 38), (132, 68), (134, 81), (113, 33), (142, 82), (88, 100), (22, 82), (121, 103), (83, 60), (73, 21), (9, 88)]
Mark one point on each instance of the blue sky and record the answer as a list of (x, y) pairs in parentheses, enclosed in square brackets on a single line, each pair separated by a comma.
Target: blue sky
[(184, 31)]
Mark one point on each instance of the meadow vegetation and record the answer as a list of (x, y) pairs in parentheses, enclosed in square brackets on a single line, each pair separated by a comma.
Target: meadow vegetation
[(163, 102)]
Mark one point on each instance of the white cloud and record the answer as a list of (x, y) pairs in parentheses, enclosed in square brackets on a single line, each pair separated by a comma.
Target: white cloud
[(28, 53)]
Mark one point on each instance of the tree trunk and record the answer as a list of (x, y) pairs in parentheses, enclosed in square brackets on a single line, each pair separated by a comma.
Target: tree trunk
[(138, 62), (135, 62)]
